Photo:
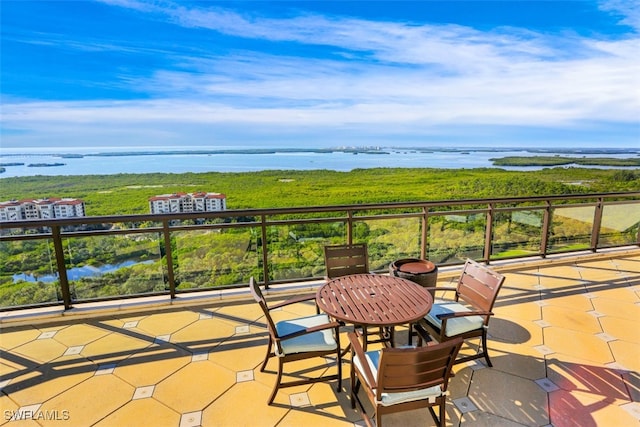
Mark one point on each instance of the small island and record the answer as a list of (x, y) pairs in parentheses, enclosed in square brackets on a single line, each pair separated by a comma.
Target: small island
[(11, 164), (563, 161), (44, 165)]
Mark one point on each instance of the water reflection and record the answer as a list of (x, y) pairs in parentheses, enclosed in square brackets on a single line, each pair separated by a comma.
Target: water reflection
[(78, 272)]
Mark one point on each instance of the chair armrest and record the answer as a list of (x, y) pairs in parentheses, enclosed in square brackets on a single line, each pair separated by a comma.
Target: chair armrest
[(356, 350), (441, 288), (317, 328), (445, 316), (294, 300)]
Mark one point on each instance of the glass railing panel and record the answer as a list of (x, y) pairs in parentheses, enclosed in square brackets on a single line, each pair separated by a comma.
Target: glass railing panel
[(114, 265), (296, 250), (619, 225), (28, 273), (570, 228), (517, 234), (451, 239), (389, 239), (211, 258)]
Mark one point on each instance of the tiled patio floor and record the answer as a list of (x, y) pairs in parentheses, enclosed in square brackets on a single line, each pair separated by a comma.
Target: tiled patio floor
[(564, 343)]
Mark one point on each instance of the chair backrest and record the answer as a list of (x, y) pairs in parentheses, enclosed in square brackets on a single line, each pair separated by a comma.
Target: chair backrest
[(407, 369), (478, 285), (341, 260), (259, 297)]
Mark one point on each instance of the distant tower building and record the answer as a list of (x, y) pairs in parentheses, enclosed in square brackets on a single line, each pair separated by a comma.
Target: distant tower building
[(187, 202), (27, 209)]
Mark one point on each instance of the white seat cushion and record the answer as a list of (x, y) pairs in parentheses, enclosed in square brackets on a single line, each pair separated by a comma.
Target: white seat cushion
[(317, 341), (388, 399), (455, 326)]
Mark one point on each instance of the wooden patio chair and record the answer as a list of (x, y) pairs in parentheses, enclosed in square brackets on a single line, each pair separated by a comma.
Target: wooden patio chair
[(467, 315), (402, 379), (342, 260), (298, 339)]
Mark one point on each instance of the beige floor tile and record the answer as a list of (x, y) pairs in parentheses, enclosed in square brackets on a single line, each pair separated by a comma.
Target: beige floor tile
[(459, 383), (167, 323), (49, 380), (194, 387), (203, 335), (577, 375), (43, 350), (313, 367), (598, 271), (119, 321), (617, 308), (623, 329), (151, 365), (567, 318), (23, 423), (141, 412), (487, 419), (301, 309), (517, 364), (514, 332), (80, 334), (15, 338), (577, 344), (518, 312), (115, 346), (238, 314), (8, 367), (90, 401), (324, 395), (312, 417), (252, 411), (7, 408), (555, 286), (578, 301), (569, 409), (624, 293), (626, 354), (509, 396), (240, 353), (340, 406), (632, 381)]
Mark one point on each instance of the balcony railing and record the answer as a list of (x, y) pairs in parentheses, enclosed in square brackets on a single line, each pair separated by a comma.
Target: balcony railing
[(66, 261)]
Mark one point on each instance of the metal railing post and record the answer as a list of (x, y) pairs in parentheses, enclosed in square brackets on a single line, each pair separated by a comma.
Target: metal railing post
[(168, 253), (488, 235), (423, 234), (546, 221), (597, 224), (62, 267), (265, 255), (349, 227)]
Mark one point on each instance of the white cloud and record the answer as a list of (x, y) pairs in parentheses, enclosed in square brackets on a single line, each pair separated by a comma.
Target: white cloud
[(380, 77)]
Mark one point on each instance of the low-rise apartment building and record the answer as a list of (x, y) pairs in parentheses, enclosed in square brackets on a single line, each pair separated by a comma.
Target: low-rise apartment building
[(187, 202), (54, 207)]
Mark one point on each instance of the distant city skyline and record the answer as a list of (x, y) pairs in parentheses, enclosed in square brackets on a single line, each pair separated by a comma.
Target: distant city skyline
[(314, 74)]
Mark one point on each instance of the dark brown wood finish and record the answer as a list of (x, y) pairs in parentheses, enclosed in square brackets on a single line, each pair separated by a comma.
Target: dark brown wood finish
[(342, 260), (477, 288), (374, 300)]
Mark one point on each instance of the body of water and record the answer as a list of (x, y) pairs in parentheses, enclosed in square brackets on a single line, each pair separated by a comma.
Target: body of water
[(90, 163), (78, 272)]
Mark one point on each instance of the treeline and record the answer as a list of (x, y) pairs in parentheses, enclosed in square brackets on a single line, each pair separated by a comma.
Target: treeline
[(124, 194), (562, 160)]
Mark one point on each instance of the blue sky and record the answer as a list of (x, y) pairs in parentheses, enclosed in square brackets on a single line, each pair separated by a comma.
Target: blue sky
[(320, 73)]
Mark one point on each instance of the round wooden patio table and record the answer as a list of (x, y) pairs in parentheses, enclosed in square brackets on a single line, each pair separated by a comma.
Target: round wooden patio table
[(374, 300)]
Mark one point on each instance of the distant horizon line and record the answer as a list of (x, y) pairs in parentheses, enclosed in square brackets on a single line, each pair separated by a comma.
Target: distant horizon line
[(373, 149)]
